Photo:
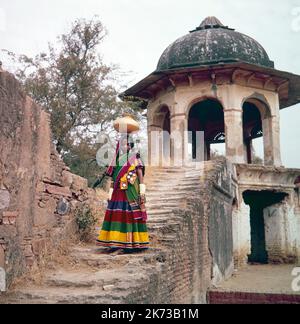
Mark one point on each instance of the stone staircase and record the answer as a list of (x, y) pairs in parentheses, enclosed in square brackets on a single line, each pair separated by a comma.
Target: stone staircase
[(90, 276), (167, 189)]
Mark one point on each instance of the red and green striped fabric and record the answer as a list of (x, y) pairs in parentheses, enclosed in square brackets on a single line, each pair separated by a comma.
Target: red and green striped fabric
[(124, 224)]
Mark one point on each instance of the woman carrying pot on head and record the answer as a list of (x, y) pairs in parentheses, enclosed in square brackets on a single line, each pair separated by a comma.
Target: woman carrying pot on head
[(124, 229)]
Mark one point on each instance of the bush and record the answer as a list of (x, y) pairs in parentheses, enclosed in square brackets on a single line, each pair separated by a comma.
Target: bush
[(86, 222)]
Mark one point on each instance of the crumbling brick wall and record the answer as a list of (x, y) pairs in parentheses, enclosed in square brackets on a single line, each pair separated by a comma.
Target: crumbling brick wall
[(38, 194)]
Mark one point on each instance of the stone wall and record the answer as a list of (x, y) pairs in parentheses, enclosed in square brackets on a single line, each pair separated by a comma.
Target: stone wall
[(38, 194), (297, 217), (222, 198), (241, 233), (282, 232)]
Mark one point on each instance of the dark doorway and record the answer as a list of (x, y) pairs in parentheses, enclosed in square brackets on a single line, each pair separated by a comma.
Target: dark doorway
[(258, 201), (207, 116)]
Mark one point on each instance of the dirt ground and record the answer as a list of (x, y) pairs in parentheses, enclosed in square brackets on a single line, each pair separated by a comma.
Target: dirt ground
[(263, 279)]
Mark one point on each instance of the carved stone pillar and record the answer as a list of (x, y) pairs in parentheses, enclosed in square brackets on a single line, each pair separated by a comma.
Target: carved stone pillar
[(179, 140), (271, 131), (233, 119)]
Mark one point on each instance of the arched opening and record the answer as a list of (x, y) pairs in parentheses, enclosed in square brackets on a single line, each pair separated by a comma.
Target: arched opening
[(206, 130), (256, 131), (162, 125)]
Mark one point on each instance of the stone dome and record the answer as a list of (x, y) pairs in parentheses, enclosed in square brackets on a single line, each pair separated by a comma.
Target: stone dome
[(213, 43)]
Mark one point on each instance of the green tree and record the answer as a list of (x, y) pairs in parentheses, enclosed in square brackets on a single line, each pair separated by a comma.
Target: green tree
[(80, 92)]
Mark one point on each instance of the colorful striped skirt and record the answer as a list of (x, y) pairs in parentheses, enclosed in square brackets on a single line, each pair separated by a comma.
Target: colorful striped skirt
[(120, 228)]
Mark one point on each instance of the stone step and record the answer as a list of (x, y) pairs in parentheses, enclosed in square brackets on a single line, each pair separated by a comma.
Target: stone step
[(168, 187), (152, 226), (163, 176), (169, 207), (67, 279), (156, 221), (172, 178), (165, 173), (163, 199), (169, 170), (163, 180), (156, 227), (191, 179), (170, 183), (162, 184), (156, 218), (94, 256), (160, 211), (158, 187), (156, 205), (59, 295), (168, 195), (162, 204), (189, 188)]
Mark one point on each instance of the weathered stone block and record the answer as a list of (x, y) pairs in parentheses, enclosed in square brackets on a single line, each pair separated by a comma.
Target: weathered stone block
[(108, 287), (79, 183), (5, 221), (40, 187), (4, 199), (59, 191), (38, 246), (67, 179), (45, 215), (42, 204), (9, 218), (51, 181)]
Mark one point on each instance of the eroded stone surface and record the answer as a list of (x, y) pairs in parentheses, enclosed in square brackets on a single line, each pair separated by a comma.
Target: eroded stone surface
[(2, 280), (31, 181), (4, 199)]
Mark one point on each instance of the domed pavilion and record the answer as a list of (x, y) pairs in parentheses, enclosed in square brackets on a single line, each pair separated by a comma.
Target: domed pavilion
[(222, 87)]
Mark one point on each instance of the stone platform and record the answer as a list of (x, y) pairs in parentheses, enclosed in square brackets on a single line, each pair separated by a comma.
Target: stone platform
[(258, 284)]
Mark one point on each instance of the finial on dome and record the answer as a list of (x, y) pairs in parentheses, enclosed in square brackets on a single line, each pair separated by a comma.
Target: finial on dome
[(211, 22)]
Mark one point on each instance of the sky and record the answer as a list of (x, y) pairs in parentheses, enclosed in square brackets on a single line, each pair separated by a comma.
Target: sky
[(140, 30)]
